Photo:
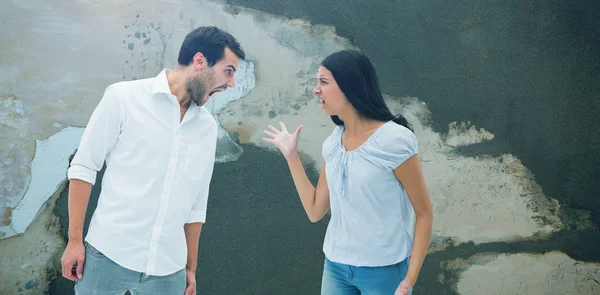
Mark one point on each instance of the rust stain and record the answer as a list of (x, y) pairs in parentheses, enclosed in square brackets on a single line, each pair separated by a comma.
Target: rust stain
[(7, 216), (244, 132)]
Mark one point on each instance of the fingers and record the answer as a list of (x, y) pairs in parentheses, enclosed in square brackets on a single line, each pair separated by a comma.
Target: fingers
[(79, 269), (269, 133), (67, 270), (298, 130), (283, 128), (274, 129), (64, 273), (269, 140), (190, 290)]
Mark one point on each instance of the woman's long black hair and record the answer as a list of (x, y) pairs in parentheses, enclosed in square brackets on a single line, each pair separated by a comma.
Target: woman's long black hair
[(356, 77)]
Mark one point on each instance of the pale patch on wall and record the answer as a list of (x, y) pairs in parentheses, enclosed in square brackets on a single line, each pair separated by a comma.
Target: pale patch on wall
[(478, 199), (464, 133), (288, 56), (28, 260), (550, 273), (13, 168), (245, 81), (48, 173)]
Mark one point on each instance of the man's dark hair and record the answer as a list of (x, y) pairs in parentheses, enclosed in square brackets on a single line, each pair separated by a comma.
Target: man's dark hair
[(211, 41)]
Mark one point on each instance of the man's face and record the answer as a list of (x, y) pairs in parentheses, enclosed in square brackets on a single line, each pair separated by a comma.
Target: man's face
[(213, 79)]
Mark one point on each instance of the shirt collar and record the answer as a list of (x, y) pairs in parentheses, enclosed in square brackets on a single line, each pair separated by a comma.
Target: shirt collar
[(161, 84)]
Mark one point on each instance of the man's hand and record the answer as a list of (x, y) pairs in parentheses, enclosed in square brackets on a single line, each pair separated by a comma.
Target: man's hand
[(73, 257), (190, 278)]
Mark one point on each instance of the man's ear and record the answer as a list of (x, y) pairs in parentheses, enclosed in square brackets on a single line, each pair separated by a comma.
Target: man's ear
[(199, 61)]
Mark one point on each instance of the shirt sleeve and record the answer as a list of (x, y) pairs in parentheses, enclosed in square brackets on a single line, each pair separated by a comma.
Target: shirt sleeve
[(198, 212), (99, 137), (392, 147)]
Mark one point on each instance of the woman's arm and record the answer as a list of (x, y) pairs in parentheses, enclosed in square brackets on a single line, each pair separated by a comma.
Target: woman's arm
[(410, 175), (315, 201)]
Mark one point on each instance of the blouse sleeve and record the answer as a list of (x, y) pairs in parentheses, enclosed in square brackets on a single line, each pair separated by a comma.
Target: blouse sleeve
[(392, 146)]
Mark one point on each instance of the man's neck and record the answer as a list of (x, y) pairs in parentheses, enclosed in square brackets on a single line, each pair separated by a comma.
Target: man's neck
[(176, 80)]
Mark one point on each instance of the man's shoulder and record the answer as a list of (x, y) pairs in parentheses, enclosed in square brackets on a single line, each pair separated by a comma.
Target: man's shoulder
[(132, 85), (205, 114)]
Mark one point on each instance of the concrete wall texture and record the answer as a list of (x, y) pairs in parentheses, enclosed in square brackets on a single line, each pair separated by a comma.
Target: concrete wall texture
[(504, 97)]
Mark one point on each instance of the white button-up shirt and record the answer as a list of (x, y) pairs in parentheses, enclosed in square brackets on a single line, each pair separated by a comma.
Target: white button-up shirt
[(158, 171)]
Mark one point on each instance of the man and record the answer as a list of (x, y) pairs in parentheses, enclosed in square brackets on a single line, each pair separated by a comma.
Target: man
[(159, 145)]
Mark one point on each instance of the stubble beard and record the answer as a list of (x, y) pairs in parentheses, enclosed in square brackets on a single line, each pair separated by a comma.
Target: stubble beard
[(198, 86)]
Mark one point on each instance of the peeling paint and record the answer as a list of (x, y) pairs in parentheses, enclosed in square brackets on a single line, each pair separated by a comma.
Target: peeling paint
[(465, 133), (497, 195), (550, 273), (245, 81), (29, 261), (46, 177)]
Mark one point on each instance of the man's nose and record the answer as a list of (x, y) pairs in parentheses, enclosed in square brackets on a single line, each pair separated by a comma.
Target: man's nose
[(231, 82)]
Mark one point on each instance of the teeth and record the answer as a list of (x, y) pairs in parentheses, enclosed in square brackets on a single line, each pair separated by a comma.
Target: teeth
[(321, 101)]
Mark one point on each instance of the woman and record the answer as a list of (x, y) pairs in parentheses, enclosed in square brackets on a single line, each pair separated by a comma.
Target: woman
[(381, 215)]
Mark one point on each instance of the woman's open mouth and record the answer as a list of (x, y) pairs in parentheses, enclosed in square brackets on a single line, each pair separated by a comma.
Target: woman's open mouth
[(322, 102)]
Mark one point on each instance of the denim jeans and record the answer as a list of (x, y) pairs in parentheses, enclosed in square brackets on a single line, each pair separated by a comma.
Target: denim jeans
[(102, 276), (343, 279)]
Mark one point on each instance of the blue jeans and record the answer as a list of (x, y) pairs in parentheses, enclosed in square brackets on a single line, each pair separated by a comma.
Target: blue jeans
[(102, 276), (343, 279)]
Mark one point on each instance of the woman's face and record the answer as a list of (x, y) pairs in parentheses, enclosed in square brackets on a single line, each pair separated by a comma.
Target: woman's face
[(333, 101)]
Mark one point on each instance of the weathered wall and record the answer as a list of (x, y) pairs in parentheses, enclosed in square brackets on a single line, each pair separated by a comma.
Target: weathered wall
[(508, 183)]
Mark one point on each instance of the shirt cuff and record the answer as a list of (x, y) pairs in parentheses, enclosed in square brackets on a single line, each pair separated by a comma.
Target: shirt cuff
[(197, 216), (82, 173)]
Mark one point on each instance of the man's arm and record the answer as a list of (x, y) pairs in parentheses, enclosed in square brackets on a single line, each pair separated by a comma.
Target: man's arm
[(79, 196), (192, 237), (99, 137), (197, 216)]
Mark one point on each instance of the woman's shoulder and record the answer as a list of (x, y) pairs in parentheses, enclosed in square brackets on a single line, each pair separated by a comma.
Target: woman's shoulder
[(392, 144), (392, 132)]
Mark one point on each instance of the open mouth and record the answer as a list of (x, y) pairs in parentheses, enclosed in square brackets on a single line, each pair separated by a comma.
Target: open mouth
[(321, 101), (220, 89)]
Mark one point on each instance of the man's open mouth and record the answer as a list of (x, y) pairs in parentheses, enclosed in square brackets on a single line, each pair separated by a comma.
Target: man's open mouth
[(215, 91)]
